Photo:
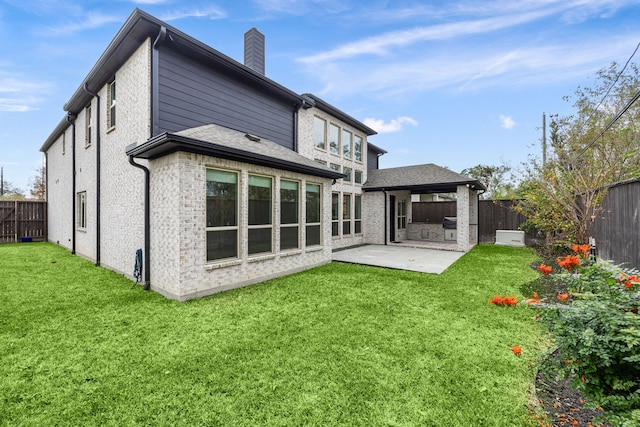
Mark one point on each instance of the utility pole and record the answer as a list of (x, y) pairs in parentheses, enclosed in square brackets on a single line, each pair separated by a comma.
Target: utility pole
[(544, 139)]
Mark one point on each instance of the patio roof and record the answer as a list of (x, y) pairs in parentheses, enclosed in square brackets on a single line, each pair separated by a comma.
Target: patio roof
[(427, 178)]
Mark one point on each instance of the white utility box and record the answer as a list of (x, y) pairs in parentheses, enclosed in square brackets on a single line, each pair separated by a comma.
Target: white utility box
[(510, 237)]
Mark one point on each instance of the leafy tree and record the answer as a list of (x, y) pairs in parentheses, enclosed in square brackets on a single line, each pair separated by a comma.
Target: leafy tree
[(564, 195), (494, 179), (38, 184), (10, 192)]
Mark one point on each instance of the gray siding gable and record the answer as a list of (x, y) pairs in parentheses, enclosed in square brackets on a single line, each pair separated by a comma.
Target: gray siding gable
[(192, 94)]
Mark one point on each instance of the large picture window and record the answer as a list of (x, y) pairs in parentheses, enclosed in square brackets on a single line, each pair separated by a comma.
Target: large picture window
[(319, 133), (222, 214), (346, 214), (334, 139), (313, 227), (346, 144), (260, 214), (357, 148), (289, 214), (357, 217), (335, 214)]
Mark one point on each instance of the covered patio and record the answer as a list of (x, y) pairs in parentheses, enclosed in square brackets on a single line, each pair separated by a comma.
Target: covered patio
[(389, 191)]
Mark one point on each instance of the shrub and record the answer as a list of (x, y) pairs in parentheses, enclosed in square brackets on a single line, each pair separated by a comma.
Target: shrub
[(597, 332)]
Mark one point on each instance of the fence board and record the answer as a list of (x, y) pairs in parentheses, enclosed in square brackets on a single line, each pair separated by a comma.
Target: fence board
[(23, 218), (492, 215), (617, 227)]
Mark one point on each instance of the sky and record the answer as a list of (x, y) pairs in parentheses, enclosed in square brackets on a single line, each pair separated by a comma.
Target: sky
[(452, 82)]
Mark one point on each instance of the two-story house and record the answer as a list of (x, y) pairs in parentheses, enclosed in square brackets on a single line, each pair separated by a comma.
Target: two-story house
[(221, 176)]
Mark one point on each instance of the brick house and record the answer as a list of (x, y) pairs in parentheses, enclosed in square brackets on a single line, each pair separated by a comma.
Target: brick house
[(220, 175)]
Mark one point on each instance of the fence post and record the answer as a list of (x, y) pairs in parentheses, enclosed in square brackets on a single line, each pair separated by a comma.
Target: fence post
[(15, 221)]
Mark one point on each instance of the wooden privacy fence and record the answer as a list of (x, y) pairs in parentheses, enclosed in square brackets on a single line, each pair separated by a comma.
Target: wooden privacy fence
[(617, 226), (492, 215), (23, 220)]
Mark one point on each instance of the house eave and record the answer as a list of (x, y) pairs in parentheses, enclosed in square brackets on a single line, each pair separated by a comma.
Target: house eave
[(168, 143), (341, 115), (443, 187)]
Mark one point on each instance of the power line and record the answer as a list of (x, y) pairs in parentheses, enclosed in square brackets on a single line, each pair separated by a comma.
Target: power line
[(617, 116)]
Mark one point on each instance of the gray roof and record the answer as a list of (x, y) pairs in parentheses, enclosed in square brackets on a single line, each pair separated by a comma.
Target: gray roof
[(218, 141), (418, 178)]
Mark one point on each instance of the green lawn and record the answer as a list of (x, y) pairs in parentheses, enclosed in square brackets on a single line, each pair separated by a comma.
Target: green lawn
[(337, 345)]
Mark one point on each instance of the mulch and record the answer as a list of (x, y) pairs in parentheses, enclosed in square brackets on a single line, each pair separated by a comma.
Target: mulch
[(562, 404)]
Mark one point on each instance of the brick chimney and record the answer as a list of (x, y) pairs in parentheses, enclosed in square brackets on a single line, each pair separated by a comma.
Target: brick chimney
[(254, 50)]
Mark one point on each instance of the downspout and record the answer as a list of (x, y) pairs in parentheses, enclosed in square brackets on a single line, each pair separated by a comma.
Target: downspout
[(95, 94), (71, 118), (385, 215), (147, 216)]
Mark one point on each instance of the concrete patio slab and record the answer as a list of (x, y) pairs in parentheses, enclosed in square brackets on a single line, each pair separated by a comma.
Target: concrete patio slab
[(399, 257)]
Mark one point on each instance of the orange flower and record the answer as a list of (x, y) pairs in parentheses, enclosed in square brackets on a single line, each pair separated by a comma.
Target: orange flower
[(497, 300), (533, 301), (568, 262), (544, 269), (516, 350), (581, 249), (563, 297), (510, 300)]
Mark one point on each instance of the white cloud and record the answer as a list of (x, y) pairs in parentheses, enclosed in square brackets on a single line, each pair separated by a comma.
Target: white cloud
[(380, 45), (18, 95), (507, 122), (211, 12), (87, 21), (395, 125)]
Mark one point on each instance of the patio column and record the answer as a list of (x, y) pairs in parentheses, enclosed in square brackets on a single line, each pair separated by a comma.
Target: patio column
[(467, 212)]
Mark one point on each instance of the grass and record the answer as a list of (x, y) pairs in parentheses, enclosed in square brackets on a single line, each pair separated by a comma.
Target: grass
[(337, 345)]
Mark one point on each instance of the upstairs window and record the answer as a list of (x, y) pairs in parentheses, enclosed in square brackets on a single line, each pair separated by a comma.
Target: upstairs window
[(319, 133), (334, 139), (111, 104), (357, 177), (346, 144), (87, 126), (347, 174), (357, 148)]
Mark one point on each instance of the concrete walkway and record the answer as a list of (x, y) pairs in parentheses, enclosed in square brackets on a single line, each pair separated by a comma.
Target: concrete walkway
[(399, 257)]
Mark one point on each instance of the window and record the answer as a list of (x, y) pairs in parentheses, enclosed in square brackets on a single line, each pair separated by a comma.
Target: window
[(222, 214), (111, 104), (357, 217), (357, 177), (87, 126), (402, 214), (319, 133), (313, 214), (334, 167), (335, 214), (357, 148), (347, 174), (322, 162), (334, 139), (289, 214), (346, 214), (64, 143), (81, 209), (346, 144), (260, 214)]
